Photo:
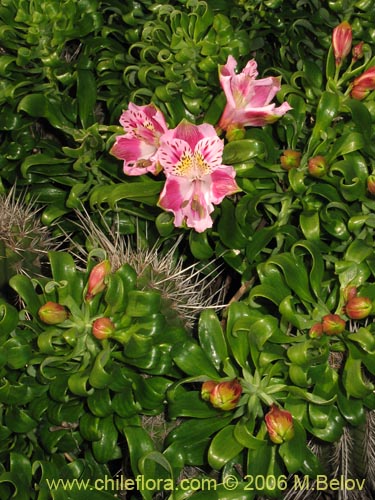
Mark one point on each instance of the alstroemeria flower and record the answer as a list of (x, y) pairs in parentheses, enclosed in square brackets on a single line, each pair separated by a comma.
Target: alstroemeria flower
[(342, 41), (363, 84), (144, 125), (358, 307), (191, 156), (225, 395), (332, 324), (248, 99), (97, 279), (52, 313), (279, 425)]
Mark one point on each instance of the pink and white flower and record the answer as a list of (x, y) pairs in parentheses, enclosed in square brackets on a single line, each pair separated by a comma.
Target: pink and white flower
[(342, 41), (248, 99), (196, 179), (143, 125)]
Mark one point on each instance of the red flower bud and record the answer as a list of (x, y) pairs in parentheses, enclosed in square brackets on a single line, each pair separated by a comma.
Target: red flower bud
[(97, 279), (341, 41), (279, 425), (371, 184), (316, 331), (317, 166), (332, 324), (357, 51), (363, 84), (102, 328), (52, 313), (358, 307), (290, 159), (349, 292), (225, 395), (207, 388)]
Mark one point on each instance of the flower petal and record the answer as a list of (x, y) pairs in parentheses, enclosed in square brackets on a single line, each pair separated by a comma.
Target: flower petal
[(223, 184), (138, 155), (175, 156), (211, 149), (264, 91), (189, 201)]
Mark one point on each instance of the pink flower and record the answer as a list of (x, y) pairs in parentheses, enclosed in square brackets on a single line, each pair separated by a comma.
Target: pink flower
[(363, 84), (316, 331), (357, 51), (97, 279), (279, 425), (207, 388), (191, 156), (290, 159), (144, 125), (52, 313), (341, 41), (102, 328), (225, 395), (248, 99), (358, 307), (332, 324), (317, 166)]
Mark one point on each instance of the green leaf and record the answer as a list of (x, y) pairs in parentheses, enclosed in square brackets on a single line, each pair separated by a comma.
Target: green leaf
[(86, 96), (352, 376), (333, 429), (246, 438), (327, 110), (351, 409), (193, 360), (139, 445), (229, 230), (41, 106), (105, 448), (194, 430), (211, 338), (295, 274), (99, 377), (8, 318), (200, 246), (17, 420), (297, 456), (223, 448), (242, 150), (24, 287), (189, 404), (143, 303)]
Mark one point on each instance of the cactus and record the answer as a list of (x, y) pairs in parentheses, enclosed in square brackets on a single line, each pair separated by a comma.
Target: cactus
[(24, 241), (185, 290)]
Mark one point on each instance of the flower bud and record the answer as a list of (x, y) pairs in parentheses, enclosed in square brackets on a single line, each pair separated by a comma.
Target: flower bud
[(357, 52), (317, 166), (52, 313), (358, 307), (349, 292), (207, 388), (97, 279), (371, 184), (316, 331), (332, 324), (290, 159), (279, 425), (363, 84), (341, 41), (225, 395), (102, 328)]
